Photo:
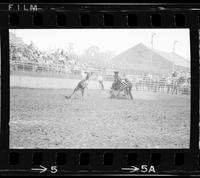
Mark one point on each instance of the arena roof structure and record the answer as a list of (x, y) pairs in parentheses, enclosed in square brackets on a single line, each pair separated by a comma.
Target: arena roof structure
[(174, 57), (138, 58)]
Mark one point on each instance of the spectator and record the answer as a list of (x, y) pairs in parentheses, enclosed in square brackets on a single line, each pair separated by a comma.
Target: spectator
[(100, 79), (174, 74)]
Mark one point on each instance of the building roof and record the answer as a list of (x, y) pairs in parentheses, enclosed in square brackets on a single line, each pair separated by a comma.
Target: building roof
[(169, 56), (138, 58), (173, 57)]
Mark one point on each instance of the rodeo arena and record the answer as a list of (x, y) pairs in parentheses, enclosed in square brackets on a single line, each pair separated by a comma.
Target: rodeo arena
[(138, 99)]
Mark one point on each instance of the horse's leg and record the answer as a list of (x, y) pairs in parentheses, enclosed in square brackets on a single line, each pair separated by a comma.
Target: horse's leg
[(102, 86), (120, 90), (82, 92), (168, 89), (76, 89), (126, 92), (174, 90), (129, 91)]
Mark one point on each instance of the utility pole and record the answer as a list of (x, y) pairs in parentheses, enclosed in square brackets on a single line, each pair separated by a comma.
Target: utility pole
[(174, 44), (152, 36)]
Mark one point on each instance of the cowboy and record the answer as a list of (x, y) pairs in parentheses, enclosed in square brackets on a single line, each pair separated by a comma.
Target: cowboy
[(129, 85), (81, 86), (100, 79)]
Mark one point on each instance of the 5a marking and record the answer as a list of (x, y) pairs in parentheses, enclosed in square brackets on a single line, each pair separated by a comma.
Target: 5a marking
[(142, 169)]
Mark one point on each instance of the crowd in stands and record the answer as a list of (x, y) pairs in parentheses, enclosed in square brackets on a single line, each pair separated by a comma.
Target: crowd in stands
[(21, 53)]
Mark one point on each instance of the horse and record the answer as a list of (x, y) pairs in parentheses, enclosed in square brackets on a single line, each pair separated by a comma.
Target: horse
[(121, 87)]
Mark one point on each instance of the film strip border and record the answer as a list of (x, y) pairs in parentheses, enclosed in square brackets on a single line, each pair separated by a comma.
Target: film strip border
[(97, 20), (106, 161), (101, 16), (100, 161)]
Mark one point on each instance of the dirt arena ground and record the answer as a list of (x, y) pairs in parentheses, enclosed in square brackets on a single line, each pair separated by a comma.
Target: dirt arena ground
[(44, 118)]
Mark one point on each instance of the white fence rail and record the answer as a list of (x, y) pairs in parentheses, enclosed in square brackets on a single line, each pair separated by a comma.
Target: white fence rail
[(60, 71)]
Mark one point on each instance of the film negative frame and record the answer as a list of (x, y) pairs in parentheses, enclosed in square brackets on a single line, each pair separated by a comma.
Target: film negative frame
[(99, 161)]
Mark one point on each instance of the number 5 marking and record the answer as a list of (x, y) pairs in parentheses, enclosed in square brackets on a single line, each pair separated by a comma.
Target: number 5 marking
[(54, 169)]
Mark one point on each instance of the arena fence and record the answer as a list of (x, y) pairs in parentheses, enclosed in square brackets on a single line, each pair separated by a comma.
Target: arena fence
[(60, 71), (53, 70)]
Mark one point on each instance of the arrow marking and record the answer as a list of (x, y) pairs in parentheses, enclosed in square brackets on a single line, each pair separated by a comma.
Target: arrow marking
[(131, 169), (41, 169)]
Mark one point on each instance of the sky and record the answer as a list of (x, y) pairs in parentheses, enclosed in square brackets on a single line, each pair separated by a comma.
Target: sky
[(116, 40)]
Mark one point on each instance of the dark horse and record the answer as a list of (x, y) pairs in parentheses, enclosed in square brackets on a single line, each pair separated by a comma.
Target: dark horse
[(119, 85), (80, 86)]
